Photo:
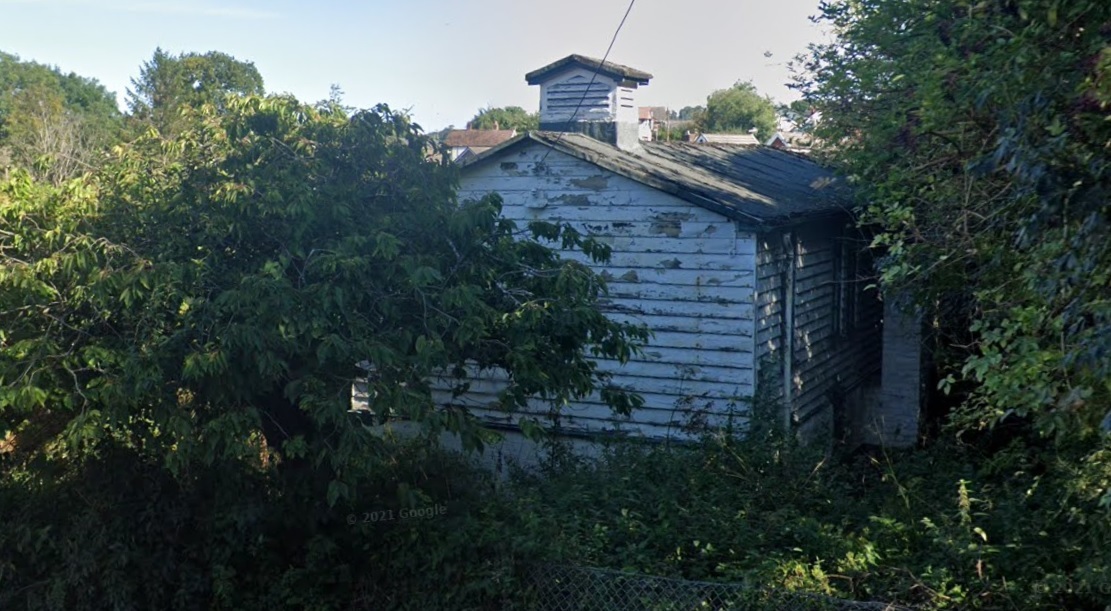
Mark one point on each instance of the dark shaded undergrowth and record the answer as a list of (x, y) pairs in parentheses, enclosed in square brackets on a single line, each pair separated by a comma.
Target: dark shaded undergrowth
[(952, 526)]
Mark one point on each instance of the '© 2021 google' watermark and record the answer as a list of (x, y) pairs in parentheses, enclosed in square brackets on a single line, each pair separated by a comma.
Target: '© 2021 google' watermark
[(391, 515)]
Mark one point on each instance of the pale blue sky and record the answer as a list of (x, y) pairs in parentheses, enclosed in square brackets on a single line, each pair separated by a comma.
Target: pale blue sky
[(443, 59)]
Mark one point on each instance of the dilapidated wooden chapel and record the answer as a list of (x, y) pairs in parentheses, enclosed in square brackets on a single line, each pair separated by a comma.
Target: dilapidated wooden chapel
[(743, 260)]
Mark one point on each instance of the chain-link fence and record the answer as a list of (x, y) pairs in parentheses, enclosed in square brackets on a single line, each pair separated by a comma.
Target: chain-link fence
[(567, 588)]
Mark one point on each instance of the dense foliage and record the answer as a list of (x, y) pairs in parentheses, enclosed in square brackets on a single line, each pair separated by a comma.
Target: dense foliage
[(738, 109), (951, 527), (120, 532), (689, 113), (508, 117), (229, 280), (168, 83), (955, 526), (977, 136), (196, 312), (52, 123)]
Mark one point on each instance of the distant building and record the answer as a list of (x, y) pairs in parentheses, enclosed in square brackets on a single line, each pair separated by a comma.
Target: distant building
[(795, 142), (652, 119), (468, 142), (741, 139), (778, 141)]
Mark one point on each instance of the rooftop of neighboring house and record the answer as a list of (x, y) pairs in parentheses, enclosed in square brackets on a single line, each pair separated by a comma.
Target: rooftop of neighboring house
[(743, 139), (757, 184), (654, 113), (791, 141), (478, 138)]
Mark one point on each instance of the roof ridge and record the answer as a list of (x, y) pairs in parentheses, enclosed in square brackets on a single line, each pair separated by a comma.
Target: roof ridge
[(627, 73)]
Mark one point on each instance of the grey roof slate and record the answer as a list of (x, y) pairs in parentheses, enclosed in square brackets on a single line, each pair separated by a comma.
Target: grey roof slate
[(757, 185), (629, 76)]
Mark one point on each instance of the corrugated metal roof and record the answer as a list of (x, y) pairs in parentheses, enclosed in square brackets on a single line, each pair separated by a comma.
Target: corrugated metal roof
[(755, 184), (629, 76)]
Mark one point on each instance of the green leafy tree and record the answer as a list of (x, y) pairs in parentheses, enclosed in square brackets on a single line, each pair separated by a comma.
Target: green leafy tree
[(978, 136), (224, 284), (509, 117), (738, 109), (51, 123), (167, 83), (690, 113)]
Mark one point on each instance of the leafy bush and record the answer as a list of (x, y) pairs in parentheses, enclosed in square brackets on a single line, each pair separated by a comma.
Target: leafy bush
[(179, 334), (120, 532), (948, 527)]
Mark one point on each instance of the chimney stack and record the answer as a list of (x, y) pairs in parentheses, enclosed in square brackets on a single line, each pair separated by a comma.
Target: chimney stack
[(584, 95)]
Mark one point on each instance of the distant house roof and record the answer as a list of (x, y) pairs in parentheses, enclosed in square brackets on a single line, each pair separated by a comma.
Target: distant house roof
[(760, 186), (627, 76), (777, 141), (478, 138), (655, 113), (746, 139), (791, 141)]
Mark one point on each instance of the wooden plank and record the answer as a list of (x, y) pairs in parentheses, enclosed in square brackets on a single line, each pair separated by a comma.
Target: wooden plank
[(821, 316), (813, 344), (701, 341), (815, 308), (570, 195), (660, 307), (663, 244), (723, 295), (592, 407), (690, 354), (646, 378), (673, 226), (604, 209), (815, 365), (771, 332), (715, 368), (696, 277), (821, 275), (738, 327), (772, 273), (679, 389), (824, 258), (590, 189), (685, 262), (770, 309), (657, 408), (670, 253), (665, 392)]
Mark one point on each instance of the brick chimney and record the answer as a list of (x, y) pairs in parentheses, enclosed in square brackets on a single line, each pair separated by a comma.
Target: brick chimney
[(585, 95)]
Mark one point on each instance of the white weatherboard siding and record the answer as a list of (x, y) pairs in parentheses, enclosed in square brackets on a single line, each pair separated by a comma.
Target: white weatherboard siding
[(685, 272), (836, 340), (771, 279)]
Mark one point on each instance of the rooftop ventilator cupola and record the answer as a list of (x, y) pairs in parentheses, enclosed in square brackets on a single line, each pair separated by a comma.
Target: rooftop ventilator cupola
[(588, 96)]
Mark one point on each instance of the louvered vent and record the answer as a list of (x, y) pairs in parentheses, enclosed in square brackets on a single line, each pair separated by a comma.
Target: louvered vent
[(591, 99)]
